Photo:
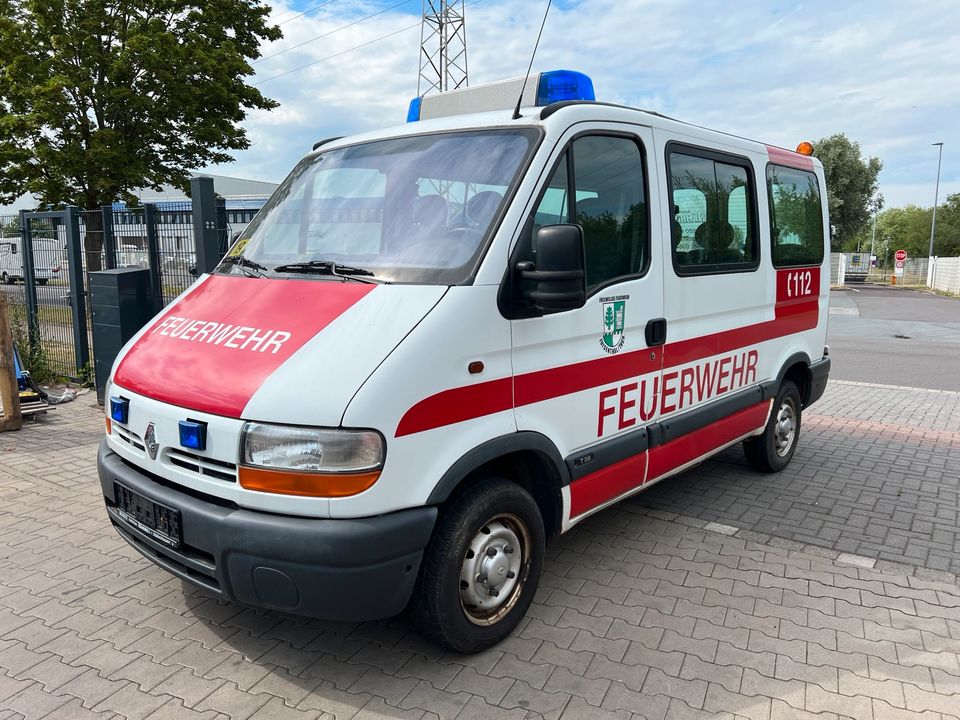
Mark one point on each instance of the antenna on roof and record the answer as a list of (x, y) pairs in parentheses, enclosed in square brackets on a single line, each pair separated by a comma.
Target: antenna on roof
[(516, 113)]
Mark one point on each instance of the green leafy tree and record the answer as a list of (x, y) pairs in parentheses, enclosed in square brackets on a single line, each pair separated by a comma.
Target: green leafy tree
[(99, 97), (906, 228), (947, 241), (851, 185)]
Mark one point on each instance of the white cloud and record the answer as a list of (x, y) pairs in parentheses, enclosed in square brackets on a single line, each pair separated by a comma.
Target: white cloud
[(884, 73)]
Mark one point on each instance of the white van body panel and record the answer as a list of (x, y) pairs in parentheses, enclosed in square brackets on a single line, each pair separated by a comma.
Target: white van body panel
[(317, 383), (417, 412)]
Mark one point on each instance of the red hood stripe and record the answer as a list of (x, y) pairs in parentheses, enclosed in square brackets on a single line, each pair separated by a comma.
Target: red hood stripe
[(212, 350)]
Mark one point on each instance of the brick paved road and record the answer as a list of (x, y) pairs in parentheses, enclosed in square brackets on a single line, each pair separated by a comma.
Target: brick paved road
[(877, 473), (642, 613)]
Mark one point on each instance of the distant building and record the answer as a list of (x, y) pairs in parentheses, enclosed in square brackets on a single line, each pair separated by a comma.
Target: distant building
[(242, 200)]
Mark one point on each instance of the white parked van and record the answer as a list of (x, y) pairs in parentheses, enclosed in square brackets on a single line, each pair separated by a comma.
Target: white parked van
[(46, 260), (441, 343)]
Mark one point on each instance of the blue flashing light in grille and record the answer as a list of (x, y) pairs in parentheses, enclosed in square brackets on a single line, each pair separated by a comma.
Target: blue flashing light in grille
[(559, 85), (119, 410), (413, 112), (193, 435)]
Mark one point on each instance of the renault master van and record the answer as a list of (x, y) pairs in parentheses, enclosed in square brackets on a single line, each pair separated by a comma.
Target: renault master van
[(441, 343)]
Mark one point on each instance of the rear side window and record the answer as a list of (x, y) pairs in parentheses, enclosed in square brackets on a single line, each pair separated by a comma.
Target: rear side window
[(796, 217), (714, 214)]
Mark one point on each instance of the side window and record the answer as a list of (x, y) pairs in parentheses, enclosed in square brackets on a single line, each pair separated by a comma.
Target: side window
[(796, 217), (713, 227), (611, 207), (609, 203)]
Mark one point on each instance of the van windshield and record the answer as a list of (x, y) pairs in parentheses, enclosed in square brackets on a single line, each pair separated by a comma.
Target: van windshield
[(415, 209)]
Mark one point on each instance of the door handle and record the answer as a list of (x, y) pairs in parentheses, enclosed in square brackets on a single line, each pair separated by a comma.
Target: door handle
[(656, 332)]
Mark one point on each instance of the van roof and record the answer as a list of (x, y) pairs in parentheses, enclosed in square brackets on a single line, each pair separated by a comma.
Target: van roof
[(557, 117)]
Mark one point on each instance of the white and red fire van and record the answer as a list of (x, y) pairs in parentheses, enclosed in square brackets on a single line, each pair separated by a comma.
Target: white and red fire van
[(441, 343)]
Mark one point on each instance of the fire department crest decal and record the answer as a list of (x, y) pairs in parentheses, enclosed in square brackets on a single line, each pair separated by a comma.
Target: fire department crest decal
[(614, 310)]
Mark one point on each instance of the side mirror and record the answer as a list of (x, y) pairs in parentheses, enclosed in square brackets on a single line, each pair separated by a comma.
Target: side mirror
[(559, 271)]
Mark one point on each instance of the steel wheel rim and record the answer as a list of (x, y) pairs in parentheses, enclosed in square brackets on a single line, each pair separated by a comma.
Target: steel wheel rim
[(785, 429), (494, 569)]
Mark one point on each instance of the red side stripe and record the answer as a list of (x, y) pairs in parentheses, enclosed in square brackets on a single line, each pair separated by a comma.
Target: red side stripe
[(457, 405), (596, 488), (473, 401), (688, 448), (613, 481)]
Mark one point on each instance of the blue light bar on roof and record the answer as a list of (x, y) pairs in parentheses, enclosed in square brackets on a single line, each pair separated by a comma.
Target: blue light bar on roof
[(543, 89), (413, 112), (560, 85)]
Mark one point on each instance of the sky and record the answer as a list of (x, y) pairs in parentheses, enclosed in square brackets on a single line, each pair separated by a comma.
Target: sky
[(884, 73)]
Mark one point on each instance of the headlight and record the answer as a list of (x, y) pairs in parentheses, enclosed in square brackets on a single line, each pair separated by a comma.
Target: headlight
[(316, 462)]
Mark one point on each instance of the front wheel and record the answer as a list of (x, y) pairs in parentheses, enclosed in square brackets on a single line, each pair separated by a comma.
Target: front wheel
[(482, 567), (773, 450)]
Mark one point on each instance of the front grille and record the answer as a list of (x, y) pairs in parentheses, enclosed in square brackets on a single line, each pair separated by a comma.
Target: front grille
[(205, 497), (202, 466), (130, 438)]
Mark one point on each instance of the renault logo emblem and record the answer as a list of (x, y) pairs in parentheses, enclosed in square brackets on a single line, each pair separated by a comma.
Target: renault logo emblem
[(150, 440)]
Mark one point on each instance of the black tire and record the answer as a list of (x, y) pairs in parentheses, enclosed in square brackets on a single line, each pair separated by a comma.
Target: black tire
[(6, 279), (772, 451), (484, 515)]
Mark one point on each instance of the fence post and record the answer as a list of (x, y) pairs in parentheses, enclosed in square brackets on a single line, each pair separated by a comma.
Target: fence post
[(153, 255), (205, 234), (29, 282), (81, 340), (10, 418), (842, 270), (109, 238)]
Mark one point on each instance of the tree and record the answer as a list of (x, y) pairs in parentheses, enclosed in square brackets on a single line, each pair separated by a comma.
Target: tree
[(99, 97), (947, 241), (851, 185)]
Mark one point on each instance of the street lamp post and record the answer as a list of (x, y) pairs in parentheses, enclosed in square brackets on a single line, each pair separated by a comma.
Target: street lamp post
[(936, 198)]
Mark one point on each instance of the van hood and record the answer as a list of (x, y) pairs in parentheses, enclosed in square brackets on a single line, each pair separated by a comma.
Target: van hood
[(271, 349)]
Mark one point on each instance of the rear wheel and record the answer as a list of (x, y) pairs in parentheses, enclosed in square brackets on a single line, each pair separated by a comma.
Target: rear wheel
[(773, 450), (482, 567)]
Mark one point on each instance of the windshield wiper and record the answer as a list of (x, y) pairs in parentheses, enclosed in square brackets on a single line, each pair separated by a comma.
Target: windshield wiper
[(242, 262), (329, 267)]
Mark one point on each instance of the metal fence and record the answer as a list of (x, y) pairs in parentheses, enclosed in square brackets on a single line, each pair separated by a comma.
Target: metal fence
[(42, 315), (44, 290), (946, 275)]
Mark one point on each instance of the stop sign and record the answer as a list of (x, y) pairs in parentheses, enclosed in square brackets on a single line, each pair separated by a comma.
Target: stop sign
[(900, 255)]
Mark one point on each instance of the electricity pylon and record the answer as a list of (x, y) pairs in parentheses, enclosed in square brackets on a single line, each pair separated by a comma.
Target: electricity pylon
[(443, 47)]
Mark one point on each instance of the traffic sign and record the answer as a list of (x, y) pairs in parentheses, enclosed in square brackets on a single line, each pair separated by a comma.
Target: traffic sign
[(899, 264), (900, 256)]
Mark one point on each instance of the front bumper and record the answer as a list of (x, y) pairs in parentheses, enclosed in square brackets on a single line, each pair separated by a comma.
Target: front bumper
[(343, 569), (819, 373)]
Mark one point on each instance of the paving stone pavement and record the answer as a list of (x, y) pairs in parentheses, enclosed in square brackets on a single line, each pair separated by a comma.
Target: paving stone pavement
[(876, 473), (642, 613)]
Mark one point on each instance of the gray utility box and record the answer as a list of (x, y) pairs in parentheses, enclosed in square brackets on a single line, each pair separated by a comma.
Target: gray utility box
[(121, 304)]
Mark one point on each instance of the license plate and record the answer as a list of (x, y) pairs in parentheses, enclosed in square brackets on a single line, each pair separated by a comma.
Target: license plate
[(160, 522)]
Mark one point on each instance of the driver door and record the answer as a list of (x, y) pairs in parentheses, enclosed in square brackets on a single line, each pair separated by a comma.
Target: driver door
[(589, 378)]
